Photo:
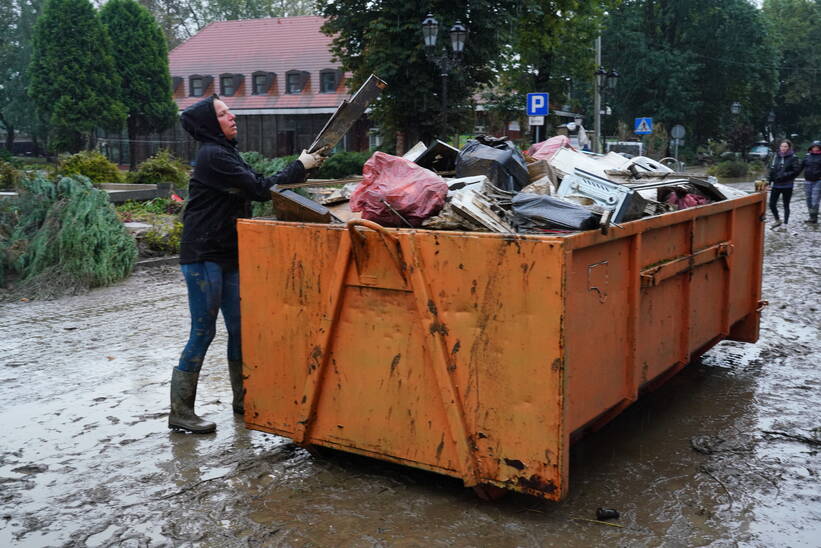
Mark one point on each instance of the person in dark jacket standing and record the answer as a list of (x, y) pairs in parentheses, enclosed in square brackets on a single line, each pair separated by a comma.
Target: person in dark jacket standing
[(784, 170), (811, 166), (220, 191)]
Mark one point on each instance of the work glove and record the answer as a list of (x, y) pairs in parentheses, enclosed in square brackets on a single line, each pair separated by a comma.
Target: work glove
[(311, 160)]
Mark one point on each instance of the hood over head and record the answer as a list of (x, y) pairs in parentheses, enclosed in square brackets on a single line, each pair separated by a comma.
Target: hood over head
[(200, 121)]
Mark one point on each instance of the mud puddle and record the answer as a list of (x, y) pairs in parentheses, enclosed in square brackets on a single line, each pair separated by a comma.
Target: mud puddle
[(86, 458)]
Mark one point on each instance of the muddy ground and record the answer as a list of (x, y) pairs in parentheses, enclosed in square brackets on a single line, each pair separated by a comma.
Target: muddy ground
[(86, 458)]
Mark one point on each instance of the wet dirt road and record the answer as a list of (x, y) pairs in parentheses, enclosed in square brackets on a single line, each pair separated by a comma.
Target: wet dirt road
[(86, 458)]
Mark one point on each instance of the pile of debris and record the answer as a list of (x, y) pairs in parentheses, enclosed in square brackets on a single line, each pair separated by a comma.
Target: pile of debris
[(490, 186)]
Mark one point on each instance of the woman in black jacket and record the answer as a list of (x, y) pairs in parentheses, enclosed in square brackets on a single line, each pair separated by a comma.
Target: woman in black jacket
[(784, 170), (220, 191), (811, 165)]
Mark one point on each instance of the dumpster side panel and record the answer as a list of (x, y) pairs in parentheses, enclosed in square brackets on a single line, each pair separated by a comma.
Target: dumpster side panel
[(596, 334), (281, 291), (678, 284), (444, 354), (747, 266)]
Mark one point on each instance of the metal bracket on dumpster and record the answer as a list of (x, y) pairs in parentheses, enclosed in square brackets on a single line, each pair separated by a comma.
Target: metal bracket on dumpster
[(653, 276), (359, 247)]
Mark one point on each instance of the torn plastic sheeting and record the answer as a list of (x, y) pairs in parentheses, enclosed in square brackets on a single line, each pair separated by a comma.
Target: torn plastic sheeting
[(397, 192), (533, 211), (498, 159)]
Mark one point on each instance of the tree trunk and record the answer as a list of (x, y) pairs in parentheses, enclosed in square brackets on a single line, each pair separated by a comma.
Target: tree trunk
[(9, 133), (9, 138), (132, 143)]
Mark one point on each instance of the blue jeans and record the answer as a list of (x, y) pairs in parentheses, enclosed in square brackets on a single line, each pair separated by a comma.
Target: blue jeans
[(209, 291), (813, 191)]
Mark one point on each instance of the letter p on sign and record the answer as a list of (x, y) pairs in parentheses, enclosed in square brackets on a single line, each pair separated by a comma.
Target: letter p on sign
[(538, 104)]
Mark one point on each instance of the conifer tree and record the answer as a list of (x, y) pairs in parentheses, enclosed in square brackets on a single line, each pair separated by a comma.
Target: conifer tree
[(141, 61), (73, 83)]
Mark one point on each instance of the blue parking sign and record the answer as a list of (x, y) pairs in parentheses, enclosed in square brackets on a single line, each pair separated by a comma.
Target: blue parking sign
[(538, 104), (643, 126)]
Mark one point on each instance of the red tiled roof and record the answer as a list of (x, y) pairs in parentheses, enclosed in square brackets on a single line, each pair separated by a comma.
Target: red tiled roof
[(246, 46)]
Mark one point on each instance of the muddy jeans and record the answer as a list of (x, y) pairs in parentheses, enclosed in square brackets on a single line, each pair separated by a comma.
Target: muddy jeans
[(786, 194), (813, 191), (209, 291)]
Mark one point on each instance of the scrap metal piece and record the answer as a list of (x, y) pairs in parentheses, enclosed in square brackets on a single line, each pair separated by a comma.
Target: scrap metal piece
[(347, 114), (439, 156), (415, 152), (290, 206), (478, 208), (623, 200)]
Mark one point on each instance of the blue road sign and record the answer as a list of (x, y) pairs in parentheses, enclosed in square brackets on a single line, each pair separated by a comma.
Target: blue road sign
[(643, 126), (538, 104)]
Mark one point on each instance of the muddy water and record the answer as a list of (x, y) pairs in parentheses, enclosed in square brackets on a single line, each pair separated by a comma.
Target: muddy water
[(86, 458)]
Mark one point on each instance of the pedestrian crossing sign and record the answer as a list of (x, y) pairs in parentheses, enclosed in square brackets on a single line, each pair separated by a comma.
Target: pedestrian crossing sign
[(643, 126)]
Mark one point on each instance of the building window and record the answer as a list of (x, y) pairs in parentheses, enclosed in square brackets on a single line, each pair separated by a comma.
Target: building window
[(374, 138), (294, 82), (196, 87), (199, 84), (260, 84), (227, 85), (327, 82)]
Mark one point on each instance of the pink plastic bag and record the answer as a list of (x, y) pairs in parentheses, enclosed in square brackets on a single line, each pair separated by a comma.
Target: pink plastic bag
[(547, 149), (686, 201), (412, 191)]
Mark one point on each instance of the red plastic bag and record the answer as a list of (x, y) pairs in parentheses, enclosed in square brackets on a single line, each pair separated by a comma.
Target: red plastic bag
[(412, 191), (686, 201)]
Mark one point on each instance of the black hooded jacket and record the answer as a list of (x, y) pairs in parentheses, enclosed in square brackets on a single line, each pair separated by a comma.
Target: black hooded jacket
[(221, 189), (812, 167)]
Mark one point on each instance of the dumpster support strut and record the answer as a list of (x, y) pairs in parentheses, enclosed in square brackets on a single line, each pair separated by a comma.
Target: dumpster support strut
[(443, 363)]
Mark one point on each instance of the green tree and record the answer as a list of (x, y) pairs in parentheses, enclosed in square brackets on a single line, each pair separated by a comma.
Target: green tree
[(386, 39), (688, 61), (141, 61), (16, 26), (550, 47), (73, 82), (794, 25)]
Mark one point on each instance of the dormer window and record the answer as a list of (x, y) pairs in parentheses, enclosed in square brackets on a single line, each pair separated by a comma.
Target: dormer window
[(296, 81), (230, 83), (261, 82), (196, 87), (198, 84), (329, 80)]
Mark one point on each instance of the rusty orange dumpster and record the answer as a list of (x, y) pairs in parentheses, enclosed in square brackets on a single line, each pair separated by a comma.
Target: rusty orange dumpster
[(480, 355)]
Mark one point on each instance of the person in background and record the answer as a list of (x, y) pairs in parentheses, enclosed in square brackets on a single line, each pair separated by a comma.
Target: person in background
[(811, 166), (783, 171), (221, 190)]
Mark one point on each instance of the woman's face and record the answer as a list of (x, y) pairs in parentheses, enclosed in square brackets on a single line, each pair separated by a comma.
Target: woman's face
[(784, 147)]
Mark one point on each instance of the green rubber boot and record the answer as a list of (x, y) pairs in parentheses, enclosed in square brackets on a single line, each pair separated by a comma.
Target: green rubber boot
[(183, 394)]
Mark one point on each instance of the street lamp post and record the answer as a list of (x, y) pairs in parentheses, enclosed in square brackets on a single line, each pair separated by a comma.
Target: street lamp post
[(446, 60), (604, 78)]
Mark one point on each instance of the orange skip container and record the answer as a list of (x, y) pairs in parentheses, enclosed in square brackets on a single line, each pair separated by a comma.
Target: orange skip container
[(479, 355)]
